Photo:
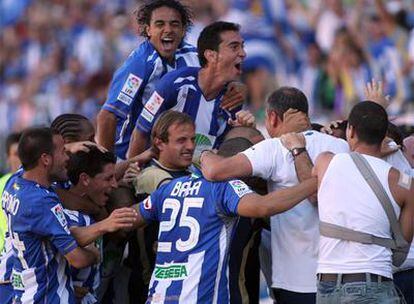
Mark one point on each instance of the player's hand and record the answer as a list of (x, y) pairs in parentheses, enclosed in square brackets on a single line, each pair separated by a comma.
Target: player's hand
[(84, 146), (131, 173), (143, 158), (328, 129), (387, 148), (295, 121), (122, 218), (235, 96), (374, 91), (243, 118), (293, 140)]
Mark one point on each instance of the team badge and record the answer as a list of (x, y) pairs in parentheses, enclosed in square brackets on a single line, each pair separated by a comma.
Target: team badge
[(239, 187), (131, 85), (58, 213), (154, 103)]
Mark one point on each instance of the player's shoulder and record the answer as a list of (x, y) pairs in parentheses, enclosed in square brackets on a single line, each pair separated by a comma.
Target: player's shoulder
[(185, 48), (150, 178), (141, 58), (181, 76), (326, 140)]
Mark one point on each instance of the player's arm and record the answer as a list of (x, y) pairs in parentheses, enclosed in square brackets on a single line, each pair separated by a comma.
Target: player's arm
[(106, 129), (72, 201), (254, 205), (163, 98), (138, 143), (218, 168), (82, 257), (123, 218)]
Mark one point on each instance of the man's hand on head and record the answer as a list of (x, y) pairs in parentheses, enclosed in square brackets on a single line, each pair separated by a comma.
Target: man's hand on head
[(84, 146), (295, 121)]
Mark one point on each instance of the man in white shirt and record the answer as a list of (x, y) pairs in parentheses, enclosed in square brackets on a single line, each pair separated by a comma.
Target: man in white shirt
[(352, 272), (295, 233)]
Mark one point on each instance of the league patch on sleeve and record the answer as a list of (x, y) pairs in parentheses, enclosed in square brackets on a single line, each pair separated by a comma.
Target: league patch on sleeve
[(154, 103), (124, 98), (57, 211), (240, 187), (147, 115), (147, 203), (131, 85)]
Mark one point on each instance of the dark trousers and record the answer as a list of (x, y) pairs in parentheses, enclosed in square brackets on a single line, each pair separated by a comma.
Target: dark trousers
[(404, 280), (283, 296)]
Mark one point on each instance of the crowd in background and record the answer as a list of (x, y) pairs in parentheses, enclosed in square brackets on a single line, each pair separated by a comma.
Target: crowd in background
[(58, 56)]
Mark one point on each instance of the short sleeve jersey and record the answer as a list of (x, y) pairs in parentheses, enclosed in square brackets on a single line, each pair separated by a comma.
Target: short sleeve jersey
[(40, 238), (133, 84), (88, 277), (179, 91), (197, 220)]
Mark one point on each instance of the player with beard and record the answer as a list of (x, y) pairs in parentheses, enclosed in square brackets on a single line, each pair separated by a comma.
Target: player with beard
[(41, 241)]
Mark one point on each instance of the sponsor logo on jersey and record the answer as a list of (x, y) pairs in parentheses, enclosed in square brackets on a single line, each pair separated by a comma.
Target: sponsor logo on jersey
[(147, 115), (124, 98), (131, 85), (154, 103), (17, 281), (172, 272), (239, 187), (58, 213), (147, 203)]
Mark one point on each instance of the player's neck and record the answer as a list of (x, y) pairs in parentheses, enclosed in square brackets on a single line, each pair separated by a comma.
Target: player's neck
[(371, 150), (38, 175), (210, 83), (78, 190)]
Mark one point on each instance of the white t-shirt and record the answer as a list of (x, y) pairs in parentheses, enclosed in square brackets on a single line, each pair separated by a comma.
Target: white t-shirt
[(295, 233)]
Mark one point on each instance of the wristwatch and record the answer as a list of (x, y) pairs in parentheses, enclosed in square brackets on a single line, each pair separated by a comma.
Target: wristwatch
[(296, 151)]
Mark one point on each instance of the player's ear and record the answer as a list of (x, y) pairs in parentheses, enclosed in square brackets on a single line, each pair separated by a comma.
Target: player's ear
[(147, 30), (158, 143), (84, 179), (45, 159), (210, 55)]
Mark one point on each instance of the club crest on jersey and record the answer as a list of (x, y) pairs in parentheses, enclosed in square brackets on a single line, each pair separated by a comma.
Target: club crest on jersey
[(240, 187), (58, 213), (131, 85), (154, 104), (16, 186), (147, 203)]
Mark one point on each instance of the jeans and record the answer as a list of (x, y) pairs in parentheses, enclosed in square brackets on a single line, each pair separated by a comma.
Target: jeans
[(357, 293)]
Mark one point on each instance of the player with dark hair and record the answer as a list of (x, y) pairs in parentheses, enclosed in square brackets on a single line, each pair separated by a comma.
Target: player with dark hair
[(92, 175), (164, 24), (40, 237), (74, 127), (199, 91)]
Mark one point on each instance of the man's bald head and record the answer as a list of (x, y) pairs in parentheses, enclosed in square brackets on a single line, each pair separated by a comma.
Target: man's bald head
[(251, 134)]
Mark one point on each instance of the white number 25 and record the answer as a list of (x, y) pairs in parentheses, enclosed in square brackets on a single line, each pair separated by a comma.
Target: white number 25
[(185, 221)]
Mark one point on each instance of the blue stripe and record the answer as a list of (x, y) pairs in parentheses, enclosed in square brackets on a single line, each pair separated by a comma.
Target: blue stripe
[(192, 104)]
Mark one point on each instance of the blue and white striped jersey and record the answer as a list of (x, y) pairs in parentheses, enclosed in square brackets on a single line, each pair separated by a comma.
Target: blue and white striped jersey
[(88, 277), (133, 84), (197, 220), (40, 238), (179, 91), (6, 255)]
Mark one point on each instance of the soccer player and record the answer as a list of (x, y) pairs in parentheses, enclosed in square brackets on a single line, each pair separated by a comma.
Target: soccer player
[(197, 218), (92, 175), (164, 24), (199, 91), (41, 241)]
